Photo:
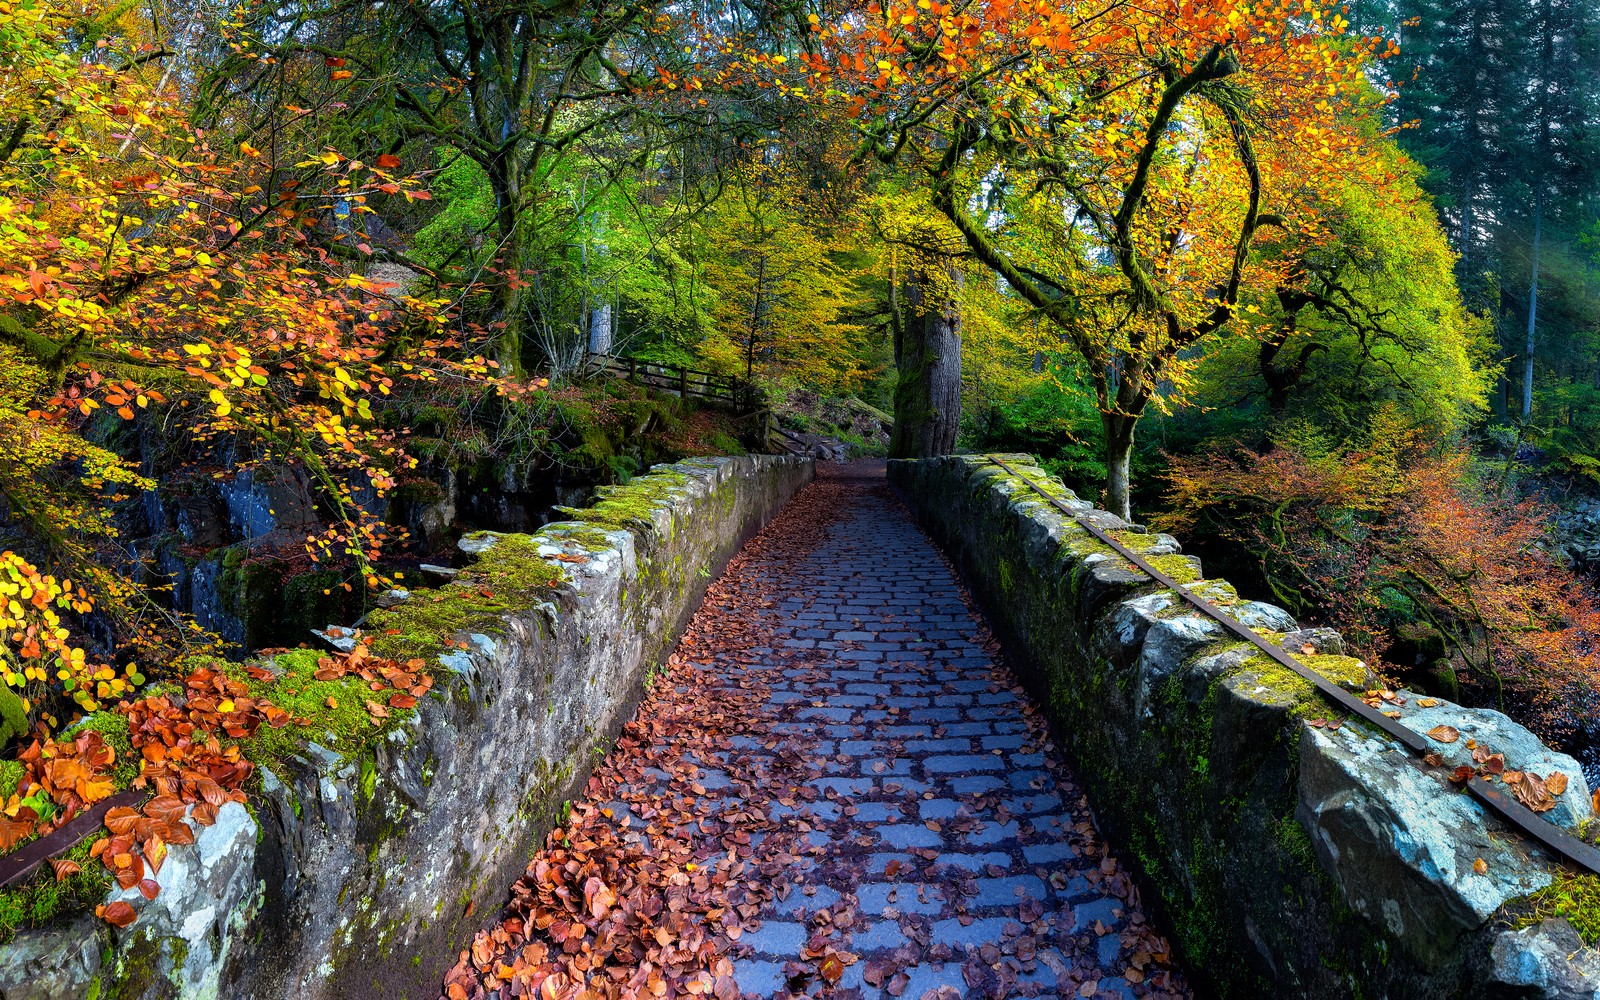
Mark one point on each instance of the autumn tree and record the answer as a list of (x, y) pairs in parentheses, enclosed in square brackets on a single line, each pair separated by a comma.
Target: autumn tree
[(783, 287), (1388, 537), (154, 274), (1149, 149)]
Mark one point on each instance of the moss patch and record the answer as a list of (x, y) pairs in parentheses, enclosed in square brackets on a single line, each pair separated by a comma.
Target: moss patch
[(11, 773), (633, 505), (1575, 897), (335, 711), (41, 898)]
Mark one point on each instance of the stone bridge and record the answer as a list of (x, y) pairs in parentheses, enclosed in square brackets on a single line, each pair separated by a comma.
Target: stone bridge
[(728, 733)]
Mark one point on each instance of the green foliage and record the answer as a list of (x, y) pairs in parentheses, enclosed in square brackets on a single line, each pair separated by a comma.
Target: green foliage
[(1052, 417), (1375, 322), (13, 716)]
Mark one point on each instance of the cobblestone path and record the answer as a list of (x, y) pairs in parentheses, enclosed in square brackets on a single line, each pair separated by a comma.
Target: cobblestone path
[(942, 813), (876, 804)]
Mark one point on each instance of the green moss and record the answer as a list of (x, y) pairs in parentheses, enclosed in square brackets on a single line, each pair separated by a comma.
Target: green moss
[(1295, 842), (1179, 567), (1575, 897), (13, 716), (344, 723), (41, 898), (11, 773), (632, 505), (589, 538), (369, 778), (1345, 671)]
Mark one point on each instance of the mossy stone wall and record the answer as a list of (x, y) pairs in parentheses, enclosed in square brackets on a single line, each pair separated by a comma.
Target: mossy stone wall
[(1190, 746), (371, 854)]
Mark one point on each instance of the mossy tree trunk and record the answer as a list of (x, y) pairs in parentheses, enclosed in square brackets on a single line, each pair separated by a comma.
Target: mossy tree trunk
[(927, 357)]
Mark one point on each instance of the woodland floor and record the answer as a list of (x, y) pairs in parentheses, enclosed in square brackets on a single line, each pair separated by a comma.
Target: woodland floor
[(837, 789)]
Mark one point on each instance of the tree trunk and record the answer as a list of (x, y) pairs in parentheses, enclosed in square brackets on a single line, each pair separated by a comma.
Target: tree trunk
[(1119, 449), (1533, 307), (927, 358), (758, 311), (505, 184), (600, 329)]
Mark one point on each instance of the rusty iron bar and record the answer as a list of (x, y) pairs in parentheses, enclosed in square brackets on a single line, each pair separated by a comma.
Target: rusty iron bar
[(20, 863), (1554, 839)]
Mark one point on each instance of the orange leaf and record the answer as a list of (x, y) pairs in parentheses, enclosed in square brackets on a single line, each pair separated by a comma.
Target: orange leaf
[(64, 867), (118, 914)]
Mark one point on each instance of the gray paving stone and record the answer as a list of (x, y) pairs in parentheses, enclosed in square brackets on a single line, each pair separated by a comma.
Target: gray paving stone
[(983, 930), (776, 937), (1044, 854), (962, 763), (905, 835), (879, 935), (1085, 914), (1008, 891), (756, 976), (875, 897)]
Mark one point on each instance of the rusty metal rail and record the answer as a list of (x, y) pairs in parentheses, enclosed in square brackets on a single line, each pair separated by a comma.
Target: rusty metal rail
[(1557, 841), (20, 863)]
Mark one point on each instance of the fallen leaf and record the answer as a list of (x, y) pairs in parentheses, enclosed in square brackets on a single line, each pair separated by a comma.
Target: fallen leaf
[(1481, 866), (64, 867), (1444, 734), (119, 914)]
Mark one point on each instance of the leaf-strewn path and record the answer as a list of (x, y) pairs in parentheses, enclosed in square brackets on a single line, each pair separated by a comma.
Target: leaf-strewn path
[(836, 789)]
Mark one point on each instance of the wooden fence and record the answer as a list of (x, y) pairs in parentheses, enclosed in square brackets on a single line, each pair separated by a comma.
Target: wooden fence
[(686, 382)]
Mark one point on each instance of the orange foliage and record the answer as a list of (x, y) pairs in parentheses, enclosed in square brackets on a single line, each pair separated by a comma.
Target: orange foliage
[(1394, 544)]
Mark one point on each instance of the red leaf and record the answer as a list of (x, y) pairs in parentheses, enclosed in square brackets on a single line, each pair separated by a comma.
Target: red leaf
[(118, 914)]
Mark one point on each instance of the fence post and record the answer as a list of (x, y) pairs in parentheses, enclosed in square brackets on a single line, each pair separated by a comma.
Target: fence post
[(683, 383)]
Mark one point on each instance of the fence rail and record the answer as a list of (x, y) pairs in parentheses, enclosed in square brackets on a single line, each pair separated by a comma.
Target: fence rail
[(685, 381)]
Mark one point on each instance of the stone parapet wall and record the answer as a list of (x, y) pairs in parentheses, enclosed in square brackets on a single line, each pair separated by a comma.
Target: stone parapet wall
[(365, 861), (1296, 853)]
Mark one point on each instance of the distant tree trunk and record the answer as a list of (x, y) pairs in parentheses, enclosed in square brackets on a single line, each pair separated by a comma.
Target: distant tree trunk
[(506, 183), (600, 329), (1533, 307), (927, 359), (758, 313)]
